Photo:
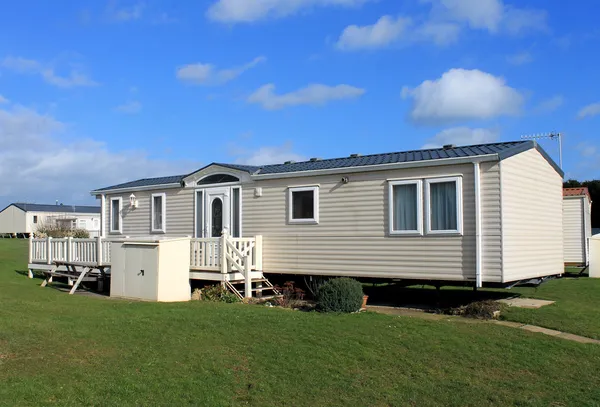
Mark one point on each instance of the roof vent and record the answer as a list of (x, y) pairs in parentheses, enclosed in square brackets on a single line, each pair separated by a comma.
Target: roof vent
[(290, 162), (354, 155), (315, 159), (449, 146)]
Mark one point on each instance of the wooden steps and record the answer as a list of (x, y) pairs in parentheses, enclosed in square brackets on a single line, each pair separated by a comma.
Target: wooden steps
[(260, 286)]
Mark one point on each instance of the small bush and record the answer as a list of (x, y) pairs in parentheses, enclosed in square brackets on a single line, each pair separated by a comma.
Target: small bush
[(487, 309), (218, 293), (291, 296), (58, 231), (340, 295)]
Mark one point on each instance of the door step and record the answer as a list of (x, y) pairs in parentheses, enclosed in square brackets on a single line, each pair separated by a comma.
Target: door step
[(238, 287)]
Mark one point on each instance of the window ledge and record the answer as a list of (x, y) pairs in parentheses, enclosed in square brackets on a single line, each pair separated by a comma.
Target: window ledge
[(406, 234), (303, 222)]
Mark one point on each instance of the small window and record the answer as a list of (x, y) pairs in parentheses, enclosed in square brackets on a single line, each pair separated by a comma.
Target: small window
[(444, 205), (159, 212), (34, 218), (116, 205), (406, 205), (236, 209), (304, 205), (82, 224)]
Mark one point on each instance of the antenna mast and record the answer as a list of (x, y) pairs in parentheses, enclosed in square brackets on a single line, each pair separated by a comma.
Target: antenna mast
[(549, 136)]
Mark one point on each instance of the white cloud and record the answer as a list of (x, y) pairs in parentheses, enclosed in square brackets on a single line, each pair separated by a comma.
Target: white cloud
[(438, 32), (132, 107), (587, 150), (122, 13), (208, 74), (266, 155), (491, 15), (38, 165), (589, 111), (314, 95), (462, 136), (549, 105), (3, 100), (385, 31), (520, 58), (31, 67), (247, 11), (462, 94)]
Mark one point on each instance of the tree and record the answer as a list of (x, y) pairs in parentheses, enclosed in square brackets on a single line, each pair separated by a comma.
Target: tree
[(594, 188)]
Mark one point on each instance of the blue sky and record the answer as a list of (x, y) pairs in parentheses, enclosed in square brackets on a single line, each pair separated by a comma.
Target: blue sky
[(94, 93)]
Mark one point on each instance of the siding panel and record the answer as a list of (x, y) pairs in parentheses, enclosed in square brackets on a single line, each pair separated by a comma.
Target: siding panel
[(531, 217), (351, 238), (136, 222)]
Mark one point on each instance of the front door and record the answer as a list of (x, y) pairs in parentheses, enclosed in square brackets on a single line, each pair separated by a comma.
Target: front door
[(218, 211)]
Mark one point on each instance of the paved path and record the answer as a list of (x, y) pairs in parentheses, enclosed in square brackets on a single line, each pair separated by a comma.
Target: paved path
[(408, 312)]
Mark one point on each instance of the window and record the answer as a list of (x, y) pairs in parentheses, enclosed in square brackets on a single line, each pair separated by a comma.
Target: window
[(303, 205), (444, 205), (96, 224), (82, 224), (236, 209), (199, 213), (34, 218), (159, 212), (116, 206), (406, 207), (217, 179)]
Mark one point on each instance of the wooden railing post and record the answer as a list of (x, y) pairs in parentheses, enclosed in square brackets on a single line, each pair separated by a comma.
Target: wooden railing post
[(99, 250), (30, 271), (49, 250), (223, 251), (70, 248), (247, 278), (258, 248)]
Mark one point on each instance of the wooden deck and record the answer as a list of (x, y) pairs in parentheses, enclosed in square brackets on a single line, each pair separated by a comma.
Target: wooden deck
[(215, 259)]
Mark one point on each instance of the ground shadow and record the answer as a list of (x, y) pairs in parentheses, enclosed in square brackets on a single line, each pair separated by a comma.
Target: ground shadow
[(428, 298)]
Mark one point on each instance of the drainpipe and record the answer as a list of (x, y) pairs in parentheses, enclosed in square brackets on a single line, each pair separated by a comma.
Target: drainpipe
[(478, 233), (102, 215)]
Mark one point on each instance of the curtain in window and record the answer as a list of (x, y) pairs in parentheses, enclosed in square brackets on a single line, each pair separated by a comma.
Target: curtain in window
[(158, 215), (443, 206), (405, 207)]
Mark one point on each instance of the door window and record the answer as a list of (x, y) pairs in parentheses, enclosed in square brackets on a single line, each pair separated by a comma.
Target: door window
[(217, 217)]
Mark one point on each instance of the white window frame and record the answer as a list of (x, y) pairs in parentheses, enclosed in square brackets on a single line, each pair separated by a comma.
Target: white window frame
[(459, 205), (315, 219), (419, 230), (110, 212), (239, 209), (163, 226)]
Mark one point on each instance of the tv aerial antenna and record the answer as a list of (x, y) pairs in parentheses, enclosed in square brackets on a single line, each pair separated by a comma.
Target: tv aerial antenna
[(554, 136)]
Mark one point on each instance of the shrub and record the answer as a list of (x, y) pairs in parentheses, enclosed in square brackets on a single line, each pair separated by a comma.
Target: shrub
[(291, 296), (58, 231), (218, 293), (340, 295), (487, 309)]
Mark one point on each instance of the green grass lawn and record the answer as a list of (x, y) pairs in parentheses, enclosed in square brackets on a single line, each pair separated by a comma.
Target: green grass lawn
[(57, 349), (577, 307)]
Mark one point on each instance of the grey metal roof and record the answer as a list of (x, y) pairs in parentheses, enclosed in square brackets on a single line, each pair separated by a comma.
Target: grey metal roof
[(392, 158), (29, 207), (146, 182), (503, 150)]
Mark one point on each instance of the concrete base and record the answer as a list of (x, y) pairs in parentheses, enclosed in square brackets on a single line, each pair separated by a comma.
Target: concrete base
[(525, 303)]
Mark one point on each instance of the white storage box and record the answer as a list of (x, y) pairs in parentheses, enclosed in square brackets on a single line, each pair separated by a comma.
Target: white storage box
[(151, 269)]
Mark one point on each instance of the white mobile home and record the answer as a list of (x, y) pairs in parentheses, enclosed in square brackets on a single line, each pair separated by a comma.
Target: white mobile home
[(485, 214), (23, 219), (577, 225)]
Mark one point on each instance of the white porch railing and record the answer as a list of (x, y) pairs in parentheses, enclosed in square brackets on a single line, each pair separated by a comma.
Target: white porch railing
[(206, 253), (94, 251), (223, 254)]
